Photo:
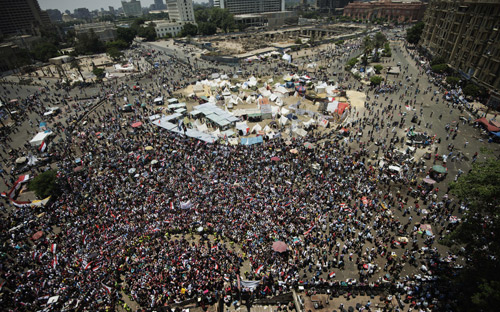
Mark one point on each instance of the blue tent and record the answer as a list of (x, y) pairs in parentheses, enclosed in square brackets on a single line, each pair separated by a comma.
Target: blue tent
[(251, 141)]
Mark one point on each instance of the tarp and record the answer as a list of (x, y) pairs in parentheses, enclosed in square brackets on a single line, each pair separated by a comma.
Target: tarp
[(249, 284), (251, 141), (40, 137), (489, 126)]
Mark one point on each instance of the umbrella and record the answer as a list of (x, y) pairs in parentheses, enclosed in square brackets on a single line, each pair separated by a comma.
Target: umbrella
[(365, 266), (439, 168), (131, 170), (309, 145), (37, 235), (275, 158), (21, 160), (288, 142), (154, 162), (149, 148), (280, 246), (294, 151), (78, 169), (136, 124), (200, 229), (429, 181)]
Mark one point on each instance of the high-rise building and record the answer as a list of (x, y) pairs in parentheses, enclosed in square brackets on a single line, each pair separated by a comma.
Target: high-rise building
[(251, 6), (180, 11), (132, 8), (82, 13), (467, 34), (54, 15), (111, 10), (159, 5), (21, 17)]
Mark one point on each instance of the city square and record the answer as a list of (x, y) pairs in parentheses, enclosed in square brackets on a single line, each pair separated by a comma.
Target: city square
[(276, 175)]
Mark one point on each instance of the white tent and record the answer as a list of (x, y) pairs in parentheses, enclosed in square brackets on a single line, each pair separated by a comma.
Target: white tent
[(256, 128), (39, 138), (202, 128), (280, 91), (332, 106), (243, 127), (300, 132), (309, 123), (283, 120), (267, 129)]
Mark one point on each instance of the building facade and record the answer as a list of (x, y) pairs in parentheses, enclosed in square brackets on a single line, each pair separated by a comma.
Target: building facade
[(400, 11), (466, 33), (132, 8), (106, 31), (329, 6), (21, 17), (164, 28), (251, 6), (180, 11)]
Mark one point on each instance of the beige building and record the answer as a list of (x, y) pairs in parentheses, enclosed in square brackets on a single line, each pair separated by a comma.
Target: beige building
[(105, 30), (466, 33)]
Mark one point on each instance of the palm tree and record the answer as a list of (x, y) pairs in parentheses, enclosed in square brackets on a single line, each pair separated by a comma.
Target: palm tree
[(75, 64), (367, 47)]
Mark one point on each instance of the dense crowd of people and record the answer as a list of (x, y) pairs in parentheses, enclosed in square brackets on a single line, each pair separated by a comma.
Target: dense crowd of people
[(181, 220)]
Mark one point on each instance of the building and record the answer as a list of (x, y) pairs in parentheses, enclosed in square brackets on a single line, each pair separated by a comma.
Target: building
[(251, 6), (82, 13), (54, 15), (111, 10), (466, 33), (268, 20), (132, 8), (22, 17), (159, 5), (106, 31), (180, 11), (330, 6), (164, 28), (396, 11)]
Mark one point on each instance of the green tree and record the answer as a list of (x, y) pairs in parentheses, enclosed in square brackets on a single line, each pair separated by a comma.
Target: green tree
[(207, 28), (438, 60), (44, 184), (44, 50), (367, 48), (298, 41), (452, 80), (378, 42), (479, 282), (376, 80), (471, 90), (414, 33), (114, 53), (148, 33), (439, 68), (99, 73), (126, 34), (378, 68), (188, 30), (89, 44)]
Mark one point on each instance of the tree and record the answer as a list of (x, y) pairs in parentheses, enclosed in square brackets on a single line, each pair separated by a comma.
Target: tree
[(298, 41), (126, 34), (439, 68), (89, 44), (378, 42), (479, 282), (44, 50), (438, 60), (378, 68), (452, 81), (376, 80), (44, 184), (75, 64), (114, 53), (471, 90), (207, 28), (188, 30), (148, 33), (367, 47), (99, 73), (414, 33)]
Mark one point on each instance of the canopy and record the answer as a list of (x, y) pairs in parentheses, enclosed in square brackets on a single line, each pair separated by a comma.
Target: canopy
[(489, 126), (280, 246), (429, 181), (136, 124), (439, 168), (39, 138)]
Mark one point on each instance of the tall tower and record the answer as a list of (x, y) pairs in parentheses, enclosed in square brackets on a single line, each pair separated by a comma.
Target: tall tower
[(21, 17)]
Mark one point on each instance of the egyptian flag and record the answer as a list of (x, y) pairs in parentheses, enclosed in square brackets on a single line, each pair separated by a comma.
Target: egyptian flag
[(331, 275), (107, 289), (42, 147), (171, 205), (216, 266), (259, 269), (87, 266), (309, 231), (214, 248), (53, 264), (53, 248)]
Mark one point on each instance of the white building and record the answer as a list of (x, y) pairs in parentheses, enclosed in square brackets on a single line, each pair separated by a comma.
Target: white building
[(163, 28), (132, 8), (181, 11), (251, 6)]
